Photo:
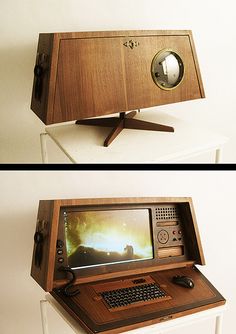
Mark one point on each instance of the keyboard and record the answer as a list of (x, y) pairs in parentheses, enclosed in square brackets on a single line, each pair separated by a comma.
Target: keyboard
[(133, 296)]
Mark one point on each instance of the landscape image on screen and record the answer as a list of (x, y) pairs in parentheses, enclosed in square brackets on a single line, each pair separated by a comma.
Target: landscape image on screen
[(105, 237)]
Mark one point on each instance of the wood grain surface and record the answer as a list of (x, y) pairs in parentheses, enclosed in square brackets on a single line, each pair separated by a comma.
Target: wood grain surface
[(90, 74)]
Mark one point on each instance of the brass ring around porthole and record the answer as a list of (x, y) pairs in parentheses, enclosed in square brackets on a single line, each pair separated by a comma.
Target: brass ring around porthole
[(167, 69)]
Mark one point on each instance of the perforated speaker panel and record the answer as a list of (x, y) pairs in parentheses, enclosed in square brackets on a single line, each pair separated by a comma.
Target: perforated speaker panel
[(166, 212)]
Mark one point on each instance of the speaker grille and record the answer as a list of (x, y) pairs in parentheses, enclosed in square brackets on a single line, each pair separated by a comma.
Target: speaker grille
[(167, 213)]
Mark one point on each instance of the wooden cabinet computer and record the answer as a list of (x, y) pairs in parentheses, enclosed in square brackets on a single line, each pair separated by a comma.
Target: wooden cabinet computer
[(89, 74), (121, 263)]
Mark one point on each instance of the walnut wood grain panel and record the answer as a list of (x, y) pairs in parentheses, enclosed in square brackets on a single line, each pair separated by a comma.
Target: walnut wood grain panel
[(180, 296), (140, 271), (170, 251), (53, 79), (192, 232), (90, 79), (126, 283), (142, 92), (95, 316), (120, 284), (92, 74), (196, 63), (52, 245), (122, 200), (120, 33)]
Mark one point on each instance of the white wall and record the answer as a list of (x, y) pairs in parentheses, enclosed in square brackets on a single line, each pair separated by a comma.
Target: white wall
[(213, 25), (213, 195)]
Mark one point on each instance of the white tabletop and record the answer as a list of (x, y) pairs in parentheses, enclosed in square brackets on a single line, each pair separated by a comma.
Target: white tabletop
[(187, 320), (84, 144)]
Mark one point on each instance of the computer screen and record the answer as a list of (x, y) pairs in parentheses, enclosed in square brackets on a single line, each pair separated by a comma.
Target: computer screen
[(95, 238)]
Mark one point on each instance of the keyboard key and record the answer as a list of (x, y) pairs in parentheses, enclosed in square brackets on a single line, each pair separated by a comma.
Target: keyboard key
[(128, 296)]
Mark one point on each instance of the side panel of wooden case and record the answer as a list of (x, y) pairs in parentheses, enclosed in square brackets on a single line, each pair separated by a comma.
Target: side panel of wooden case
[(47, 225), (43, 92)]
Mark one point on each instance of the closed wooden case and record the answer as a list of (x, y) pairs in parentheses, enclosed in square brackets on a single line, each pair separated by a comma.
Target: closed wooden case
[(90, 74)]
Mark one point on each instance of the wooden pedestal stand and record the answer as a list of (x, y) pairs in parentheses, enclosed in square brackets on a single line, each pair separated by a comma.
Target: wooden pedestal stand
[(125, 121)]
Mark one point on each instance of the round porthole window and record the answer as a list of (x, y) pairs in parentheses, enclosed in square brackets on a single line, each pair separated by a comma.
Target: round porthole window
[(167, 69)]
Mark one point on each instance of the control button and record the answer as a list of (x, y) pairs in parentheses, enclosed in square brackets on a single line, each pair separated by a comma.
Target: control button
[(180, 232), (174, 232), (59, 251), (60, 260), (163, 236), (60, 243)]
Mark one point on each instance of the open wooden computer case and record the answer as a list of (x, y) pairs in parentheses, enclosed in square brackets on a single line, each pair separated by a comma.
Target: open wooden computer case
[(99, 258)]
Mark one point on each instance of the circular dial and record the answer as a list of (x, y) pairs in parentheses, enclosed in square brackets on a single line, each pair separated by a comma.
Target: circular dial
[(167, 69), (163, 236)]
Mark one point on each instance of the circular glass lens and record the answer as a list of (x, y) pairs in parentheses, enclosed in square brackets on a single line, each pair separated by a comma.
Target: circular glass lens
[(167, 69)]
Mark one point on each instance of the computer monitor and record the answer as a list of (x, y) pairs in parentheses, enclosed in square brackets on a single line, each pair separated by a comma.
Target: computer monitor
[(96, 238)]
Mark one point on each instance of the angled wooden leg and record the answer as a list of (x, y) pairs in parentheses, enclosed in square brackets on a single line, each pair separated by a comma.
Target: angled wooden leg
[(131, 114), (142, 125), (114, 133)]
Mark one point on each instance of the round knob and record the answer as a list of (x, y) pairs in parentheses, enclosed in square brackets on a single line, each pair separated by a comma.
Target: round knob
[(38, 71), (60, 243), (38, 237)]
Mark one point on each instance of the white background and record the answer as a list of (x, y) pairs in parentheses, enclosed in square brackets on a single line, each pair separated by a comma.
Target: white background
[(212, 22), (213, 194)]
